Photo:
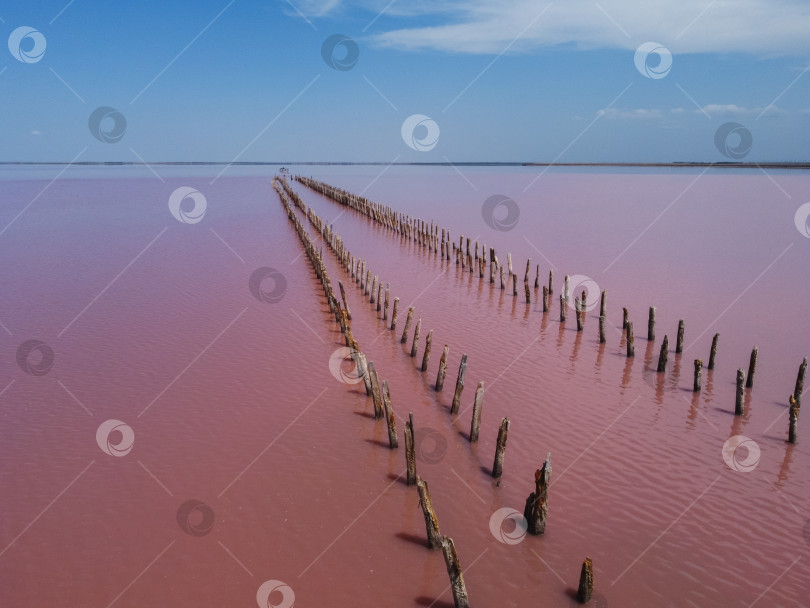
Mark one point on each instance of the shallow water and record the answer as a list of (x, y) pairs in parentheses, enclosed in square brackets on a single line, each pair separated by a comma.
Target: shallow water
[(232, 403)]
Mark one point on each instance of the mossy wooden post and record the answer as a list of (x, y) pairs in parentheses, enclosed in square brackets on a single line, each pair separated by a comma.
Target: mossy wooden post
[(679, 340), (426, 356), (394, 315), (462, 367), (500, 448), (585, 590), (434, 535), (698, 371), (442, 368), (602, 329), (385, 307), (651, 325), (631, 347), (797, 392), (475, 425), (407, 329), (713, 352), (376, 395), (460, 597), (662, 356), (345, 303), (536, 510), (416, 332), (625, 317), (410, 455), (738, 402), (389, 417), (562, 308), (793, 422), (545, 298), (752, 367), (603, 304)]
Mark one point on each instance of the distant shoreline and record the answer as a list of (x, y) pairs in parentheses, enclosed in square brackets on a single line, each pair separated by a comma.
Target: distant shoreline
[(719, 165)]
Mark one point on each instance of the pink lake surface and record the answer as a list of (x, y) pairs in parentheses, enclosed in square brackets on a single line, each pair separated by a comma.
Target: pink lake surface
[(232, 403)]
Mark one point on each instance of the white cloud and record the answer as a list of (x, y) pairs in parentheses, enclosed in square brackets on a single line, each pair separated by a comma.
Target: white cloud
[(35, 133), (641, 113), (683, 26), (730, 109)]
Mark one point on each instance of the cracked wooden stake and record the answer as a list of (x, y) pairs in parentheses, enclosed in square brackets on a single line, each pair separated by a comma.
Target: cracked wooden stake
[(631, 347), (408, 320), (389, 417), (460, 597), (713, 352), (345, 303), (426, 356), (797, 392), (752, 367), (375, 391), (793, 430), (651, 325), (585, 582), (394, 315), (416, 333), (500, 448), (475, 425), (738, 402), (434, 535), (442, 368), (459, 385), (536, 509), (602, 329), (662, 356), (410, 457), (698, 370), (679, 340)]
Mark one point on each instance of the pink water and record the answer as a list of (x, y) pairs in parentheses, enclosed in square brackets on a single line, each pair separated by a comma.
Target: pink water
[(232, 403)]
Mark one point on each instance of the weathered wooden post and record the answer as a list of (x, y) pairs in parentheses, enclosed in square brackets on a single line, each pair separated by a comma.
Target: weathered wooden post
[(459, 385), (662, 356), (385, 307), (514, 285), (379, 296), (752, 367), (698, 370), (550, 282), (408, 320), (625, 317), (389, 417), (562, 308), (509, 263), (426, 356), (545, 298), (585, 582), (578, 309), (528, 293), (602, 329), (631, 347), (343, 297), (500, 448), (651, 325), (460, 597), (394, 315), (375, 391), (679, 340), (603, 304), (713, 352), (373, 290), (503, 284), (361, 359), (442, 368), (738, 403), (797, 392), (434, 535), (410, 455), (537, 277), (416, 332), (793, 430), (476, 414), (368, 281), (536, 510)]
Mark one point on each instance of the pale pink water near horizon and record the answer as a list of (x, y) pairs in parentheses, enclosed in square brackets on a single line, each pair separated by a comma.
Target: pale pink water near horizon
[(231, 402)]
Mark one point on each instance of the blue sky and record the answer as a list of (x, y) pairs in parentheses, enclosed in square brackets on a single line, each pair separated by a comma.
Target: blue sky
[(495, 80)]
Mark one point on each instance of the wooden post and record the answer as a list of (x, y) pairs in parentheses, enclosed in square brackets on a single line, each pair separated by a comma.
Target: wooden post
[(426, 356), (550, 282), (624, 318), (651, 325), (713, 352), (566, 287), (602, 304), (434, 535), (373, 290), (385, 307), (460, 597), (536, 510), (662, 356), (389, 417), (797, 392), (602, 329), (442, 368), (375, 391), (410, 455), (509, 263), (345, 303), (528, 293), (545, 298), (379, 296), (500, 448), (585, 582), (408, 320), (459, 385), (562, 308), (752, 367), (394, 315), (793, 430), (698, 370), (416, 332), (631, 347), (579, 312), (679, 341), (738, 403), (368, 281), (514, 284), (537, 277), (476, 414), (361, 358), (503, 285)]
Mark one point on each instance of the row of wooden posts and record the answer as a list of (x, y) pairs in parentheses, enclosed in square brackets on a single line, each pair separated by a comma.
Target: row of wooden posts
[(427, 235), (536, 509)]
